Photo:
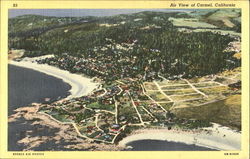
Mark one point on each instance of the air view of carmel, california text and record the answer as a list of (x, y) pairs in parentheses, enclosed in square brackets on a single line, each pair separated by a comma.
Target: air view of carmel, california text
[(124, 79)]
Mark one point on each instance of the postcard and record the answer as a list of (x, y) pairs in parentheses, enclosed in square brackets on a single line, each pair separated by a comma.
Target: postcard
[(124, 79)]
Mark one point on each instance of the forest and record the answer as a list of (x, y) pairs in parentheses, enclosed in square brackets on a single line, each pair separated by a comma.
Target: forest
[(144, 43)]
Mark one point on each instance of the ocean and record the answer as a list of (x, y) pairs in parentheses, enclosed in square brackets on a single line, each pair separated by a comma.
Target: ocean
[(159, 145), (26, 86)]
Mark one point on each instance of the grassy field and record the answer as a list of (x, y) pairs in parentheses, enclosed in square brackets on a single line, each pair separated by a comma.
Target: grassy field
[(223, 21), (215, 90), (179, 92), (97, 105), (225, 112), (224, 17), (190, 22), (157, 96), (176, 87), (186, 97), (167, 83)]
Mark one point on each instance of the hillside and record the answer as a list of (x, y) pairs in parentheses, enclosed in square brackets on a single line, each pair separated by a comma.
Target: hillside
[(156, 69), (226, 112), (227, 18), (146, 44)]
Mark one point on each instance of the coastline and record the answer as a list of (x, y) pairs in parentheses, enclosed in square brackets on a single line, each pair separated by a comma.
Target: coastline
[(215, 137), (80, 85), (211, 137)]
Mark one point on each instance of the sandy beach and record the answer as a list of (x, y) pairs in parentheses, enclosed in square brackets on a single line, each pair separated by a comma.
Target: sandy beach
[(80, 85), (215, 137)]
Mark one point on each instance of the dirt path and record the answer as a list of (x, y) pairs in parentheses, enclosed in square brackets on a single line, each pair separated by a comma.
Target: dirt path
[(116, 111), (133, 103), (159, 88), (143, 90), (196, 88)]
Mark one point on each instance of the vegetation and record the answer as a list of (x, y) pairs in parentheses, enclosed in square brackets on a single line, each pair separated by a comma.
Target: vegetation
[(145, 44), (226, 112), (152, 74), (226, 19)]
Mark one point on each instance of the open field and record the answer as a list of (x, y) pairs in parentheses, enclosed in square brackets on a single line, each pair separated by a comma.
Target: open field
[(105, 113), (149, 70), (191, 22), (226, 112), (224, 18)]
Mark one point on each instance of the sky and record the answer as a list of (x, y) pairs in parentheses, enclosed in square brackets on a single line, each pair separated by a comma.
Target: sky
[(80, 12)]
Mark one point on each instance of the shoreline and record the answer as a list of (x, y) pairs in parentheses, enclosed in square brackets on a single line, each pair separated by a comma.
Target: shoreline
[(80, 85), (216, 137)]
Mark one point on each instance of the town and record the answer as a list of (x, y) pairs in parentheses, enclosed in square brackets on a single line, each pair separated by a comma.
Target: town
[(150, 65), (115, 109)]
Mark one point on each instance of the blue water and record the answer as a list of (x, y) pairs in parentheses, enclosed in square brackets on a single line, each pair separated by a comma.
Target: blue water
[(27, 86), (158, 145)]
